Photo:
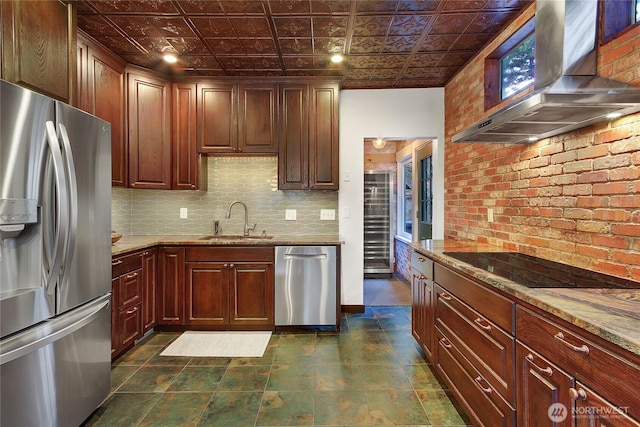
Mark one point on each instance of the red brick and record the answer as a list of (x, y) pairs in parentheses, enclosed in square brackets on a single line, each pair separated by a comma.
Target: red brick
[(592, 252), (626, 146), (578, 213), (617, 215), (625, 174), (577, 190), (616, 53), (563, 224), (592, 202), (628, 201), (610, 188), (589, 177), (610, 268), (611, 162), (593, 152), (626, 229), (564, 157), (611, 242)]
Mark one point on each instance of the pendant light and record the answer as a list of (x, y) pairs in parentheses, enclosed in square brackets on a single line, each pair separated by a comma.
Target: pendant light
[(379, 143)]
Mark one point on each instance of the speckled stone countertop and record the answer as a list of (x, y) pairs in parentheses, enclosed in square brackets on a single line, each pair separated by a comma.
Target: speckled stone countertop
[(612, 314), (135, 243)]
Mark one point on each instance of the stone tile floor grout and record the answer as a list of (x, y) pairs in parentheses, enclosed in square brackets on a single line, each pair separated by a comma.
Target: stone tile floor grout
[(371, 373)]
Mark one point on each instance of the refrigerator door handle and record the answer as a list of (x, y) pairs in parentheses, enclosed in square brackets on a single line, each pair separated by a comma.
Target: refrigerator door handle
[(56, 329), (62, 207), (72, 195)]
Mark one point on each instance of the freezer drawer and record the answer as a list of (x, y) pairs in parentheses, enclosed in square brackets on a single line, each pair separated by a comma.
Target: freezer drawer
[(305, 286), (58, 372)]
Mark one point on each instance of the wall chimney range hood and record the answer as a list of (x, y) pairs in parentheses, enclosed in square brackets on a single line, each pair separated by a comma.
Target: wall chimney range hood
[(567, 93)]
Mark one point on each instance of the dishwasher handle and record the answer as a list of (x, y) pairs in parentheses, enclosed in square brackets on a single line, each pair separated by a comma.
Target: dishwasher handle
[(305, 256)]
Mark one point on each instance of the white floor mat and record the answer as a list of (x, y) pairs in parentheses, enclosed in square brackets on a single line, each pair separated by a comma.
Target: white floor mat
[(219, 344)]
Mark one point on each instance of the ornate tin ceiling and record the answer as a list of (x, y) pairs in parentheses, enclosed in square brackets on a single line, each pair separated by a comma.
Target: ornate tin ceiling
[(387, 43)]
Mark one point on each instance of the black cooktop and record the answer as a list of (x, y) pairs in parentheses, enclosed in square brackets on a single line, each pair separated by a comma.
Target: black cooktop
[(534, 272)]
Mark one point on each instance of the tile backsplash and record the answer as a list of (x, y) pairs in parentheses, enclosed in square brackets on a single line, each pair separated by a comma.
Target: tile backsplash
[(252, 180)]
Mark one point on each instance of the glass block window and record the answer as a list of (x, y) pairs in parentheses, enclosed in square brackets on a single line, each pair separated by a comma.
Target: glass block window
[(517, 67)]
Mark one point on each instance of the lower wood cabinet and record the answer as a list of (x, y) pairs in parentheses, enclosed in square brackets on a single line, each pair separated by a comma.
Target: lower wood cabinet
[(170, 298), (127, 302), (149, 284), (422, 308)]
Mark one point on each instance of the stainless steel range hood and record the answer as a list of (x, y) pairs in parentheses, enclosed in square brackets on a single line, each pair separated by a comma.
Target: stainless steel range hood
[(567, 94)]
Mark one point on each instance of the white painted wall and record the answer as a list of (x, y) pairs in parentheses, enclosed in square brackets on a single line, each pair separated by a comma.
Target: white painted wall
[(391, 113)]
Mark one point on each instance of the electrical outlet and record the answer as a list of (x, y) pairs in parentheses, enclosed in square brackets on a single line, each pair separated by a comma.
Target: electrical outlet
[(490, 214), (328, 214), (290, 214), (183, 213)]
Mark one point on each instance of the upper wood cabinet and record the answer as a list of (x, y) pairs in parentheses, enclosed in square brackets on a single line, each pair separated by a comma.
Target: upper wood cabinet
[(257, 119), (101, 92), (237, 118), (39, 46), (189, 168), (308, 145), (149, 112)]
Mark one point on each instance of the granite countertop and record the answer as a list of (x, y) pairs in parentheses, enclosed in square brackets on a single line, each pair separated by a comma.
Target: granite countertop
[(135, 243), (612, 314)]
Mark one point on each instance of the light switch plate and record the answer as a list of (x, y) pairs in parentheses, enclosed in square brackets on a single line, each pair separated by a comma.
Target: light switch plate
[(328, 214), (290, 214), (183, 213)]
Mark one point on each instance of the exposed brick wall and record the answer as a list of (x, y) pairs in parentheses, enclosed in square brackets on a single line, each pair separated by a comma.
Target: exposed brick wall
[(574, 198), (403, 259)]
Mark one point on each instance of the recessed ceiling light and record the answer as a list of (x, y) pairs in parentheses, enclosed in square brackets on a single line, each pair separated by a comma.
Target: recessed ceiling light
[(613, 115), (170, 58), (532, 139), (337, 58)]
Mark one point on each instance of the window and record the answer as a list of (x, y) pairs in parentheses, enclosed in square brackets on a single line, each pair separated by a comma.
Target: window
[(426, 190), (516, 68), (405, 198), (618, 16)]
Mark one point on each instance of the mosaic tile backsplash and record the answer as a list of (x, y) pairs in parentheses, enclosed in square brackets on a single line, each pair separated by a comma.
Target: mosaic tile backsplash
[(252, 180)]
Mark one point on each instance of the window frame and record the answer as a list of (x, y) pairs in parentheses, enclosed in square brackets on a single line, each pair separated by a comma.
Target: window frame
[(401, 205), (504, 97), (616, 18), (492, 77)]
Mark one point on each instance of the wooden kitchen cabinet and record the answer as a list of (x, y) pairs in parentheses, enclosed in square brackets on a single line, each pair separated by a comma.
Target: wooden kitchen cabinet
[(217, 117), (149, 284), (39, 46), (257, 112), (308, 139), (149, 132), (230, 287), (601, 376), (422, 307), (101, 92), (127, 300), (592, 410), (189, 169), (170, 297)]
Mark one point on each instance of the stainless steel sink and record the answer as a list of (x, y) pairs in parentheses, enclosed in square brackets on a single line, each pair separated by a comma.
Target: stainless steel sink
[(236, 237)]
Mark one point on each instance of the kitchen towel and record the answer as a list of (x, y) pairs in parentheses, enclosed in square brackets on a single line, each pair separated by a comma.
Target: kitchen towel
[(219, 344)]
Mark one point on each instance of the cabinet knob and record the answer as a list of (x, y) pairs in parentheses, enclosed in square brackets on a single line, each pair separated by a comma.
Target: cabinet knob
[(231, 265), (577, 394)]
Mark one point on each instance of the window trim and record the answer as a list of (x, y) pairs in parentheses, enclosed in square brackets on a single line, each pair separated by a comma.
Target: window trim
[(400, 206), (492, 84), (616, 18)]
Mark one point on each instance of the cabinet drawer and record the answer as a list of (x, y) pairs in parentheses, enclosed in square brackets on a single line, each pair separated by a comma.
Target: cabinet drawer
[(130, 323), (608, 374), (130, 289), (489, 348), (592, 409), (229, 254), (492, 305), (123, 264), (480, 400), (422, 264)]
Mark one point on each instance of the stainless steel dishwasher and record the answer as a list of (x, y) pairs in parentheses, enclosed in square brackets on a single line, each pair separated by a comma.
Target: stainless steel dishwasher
[(305, 284)]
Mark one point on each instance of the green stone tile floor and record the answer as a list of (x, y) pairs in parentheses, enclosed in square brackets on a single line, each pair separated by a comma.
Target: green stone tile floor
[(372, 373)]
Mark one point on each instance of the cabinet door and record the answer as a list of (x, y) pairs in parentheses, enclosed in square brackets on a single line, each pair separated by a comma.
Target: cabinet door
[(417, 311), (115, 315), (186, 166), (428, 317), (293, 157), (39, 46), (149, 111), (130, 289), (103, 94), (594, 411), (257, 119), (207, 293), (323, 137), (217, 113), (171, 288), (252, 294), (540, 386), (149, 273)]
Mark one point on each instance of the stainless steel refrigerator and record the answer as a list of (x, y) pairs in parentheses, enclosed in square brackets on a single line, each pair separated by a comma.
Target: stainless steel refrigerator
[(55, 260)]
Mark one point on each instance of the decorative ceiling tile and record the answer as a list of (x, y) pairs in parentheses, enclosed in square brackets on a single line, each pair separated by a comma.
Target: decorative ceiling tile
[(296, 46), (372, 25), (334, 26), (367, 44), (409, 25), (293, 27), (400, 44), (286, 7), (295, 37), (328, 45), (438, 43), (454, 23)]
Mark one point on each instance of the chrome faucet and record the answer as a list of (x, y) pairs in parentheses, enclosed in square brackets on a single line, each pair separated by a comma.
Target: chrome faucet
[(246, 217)]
